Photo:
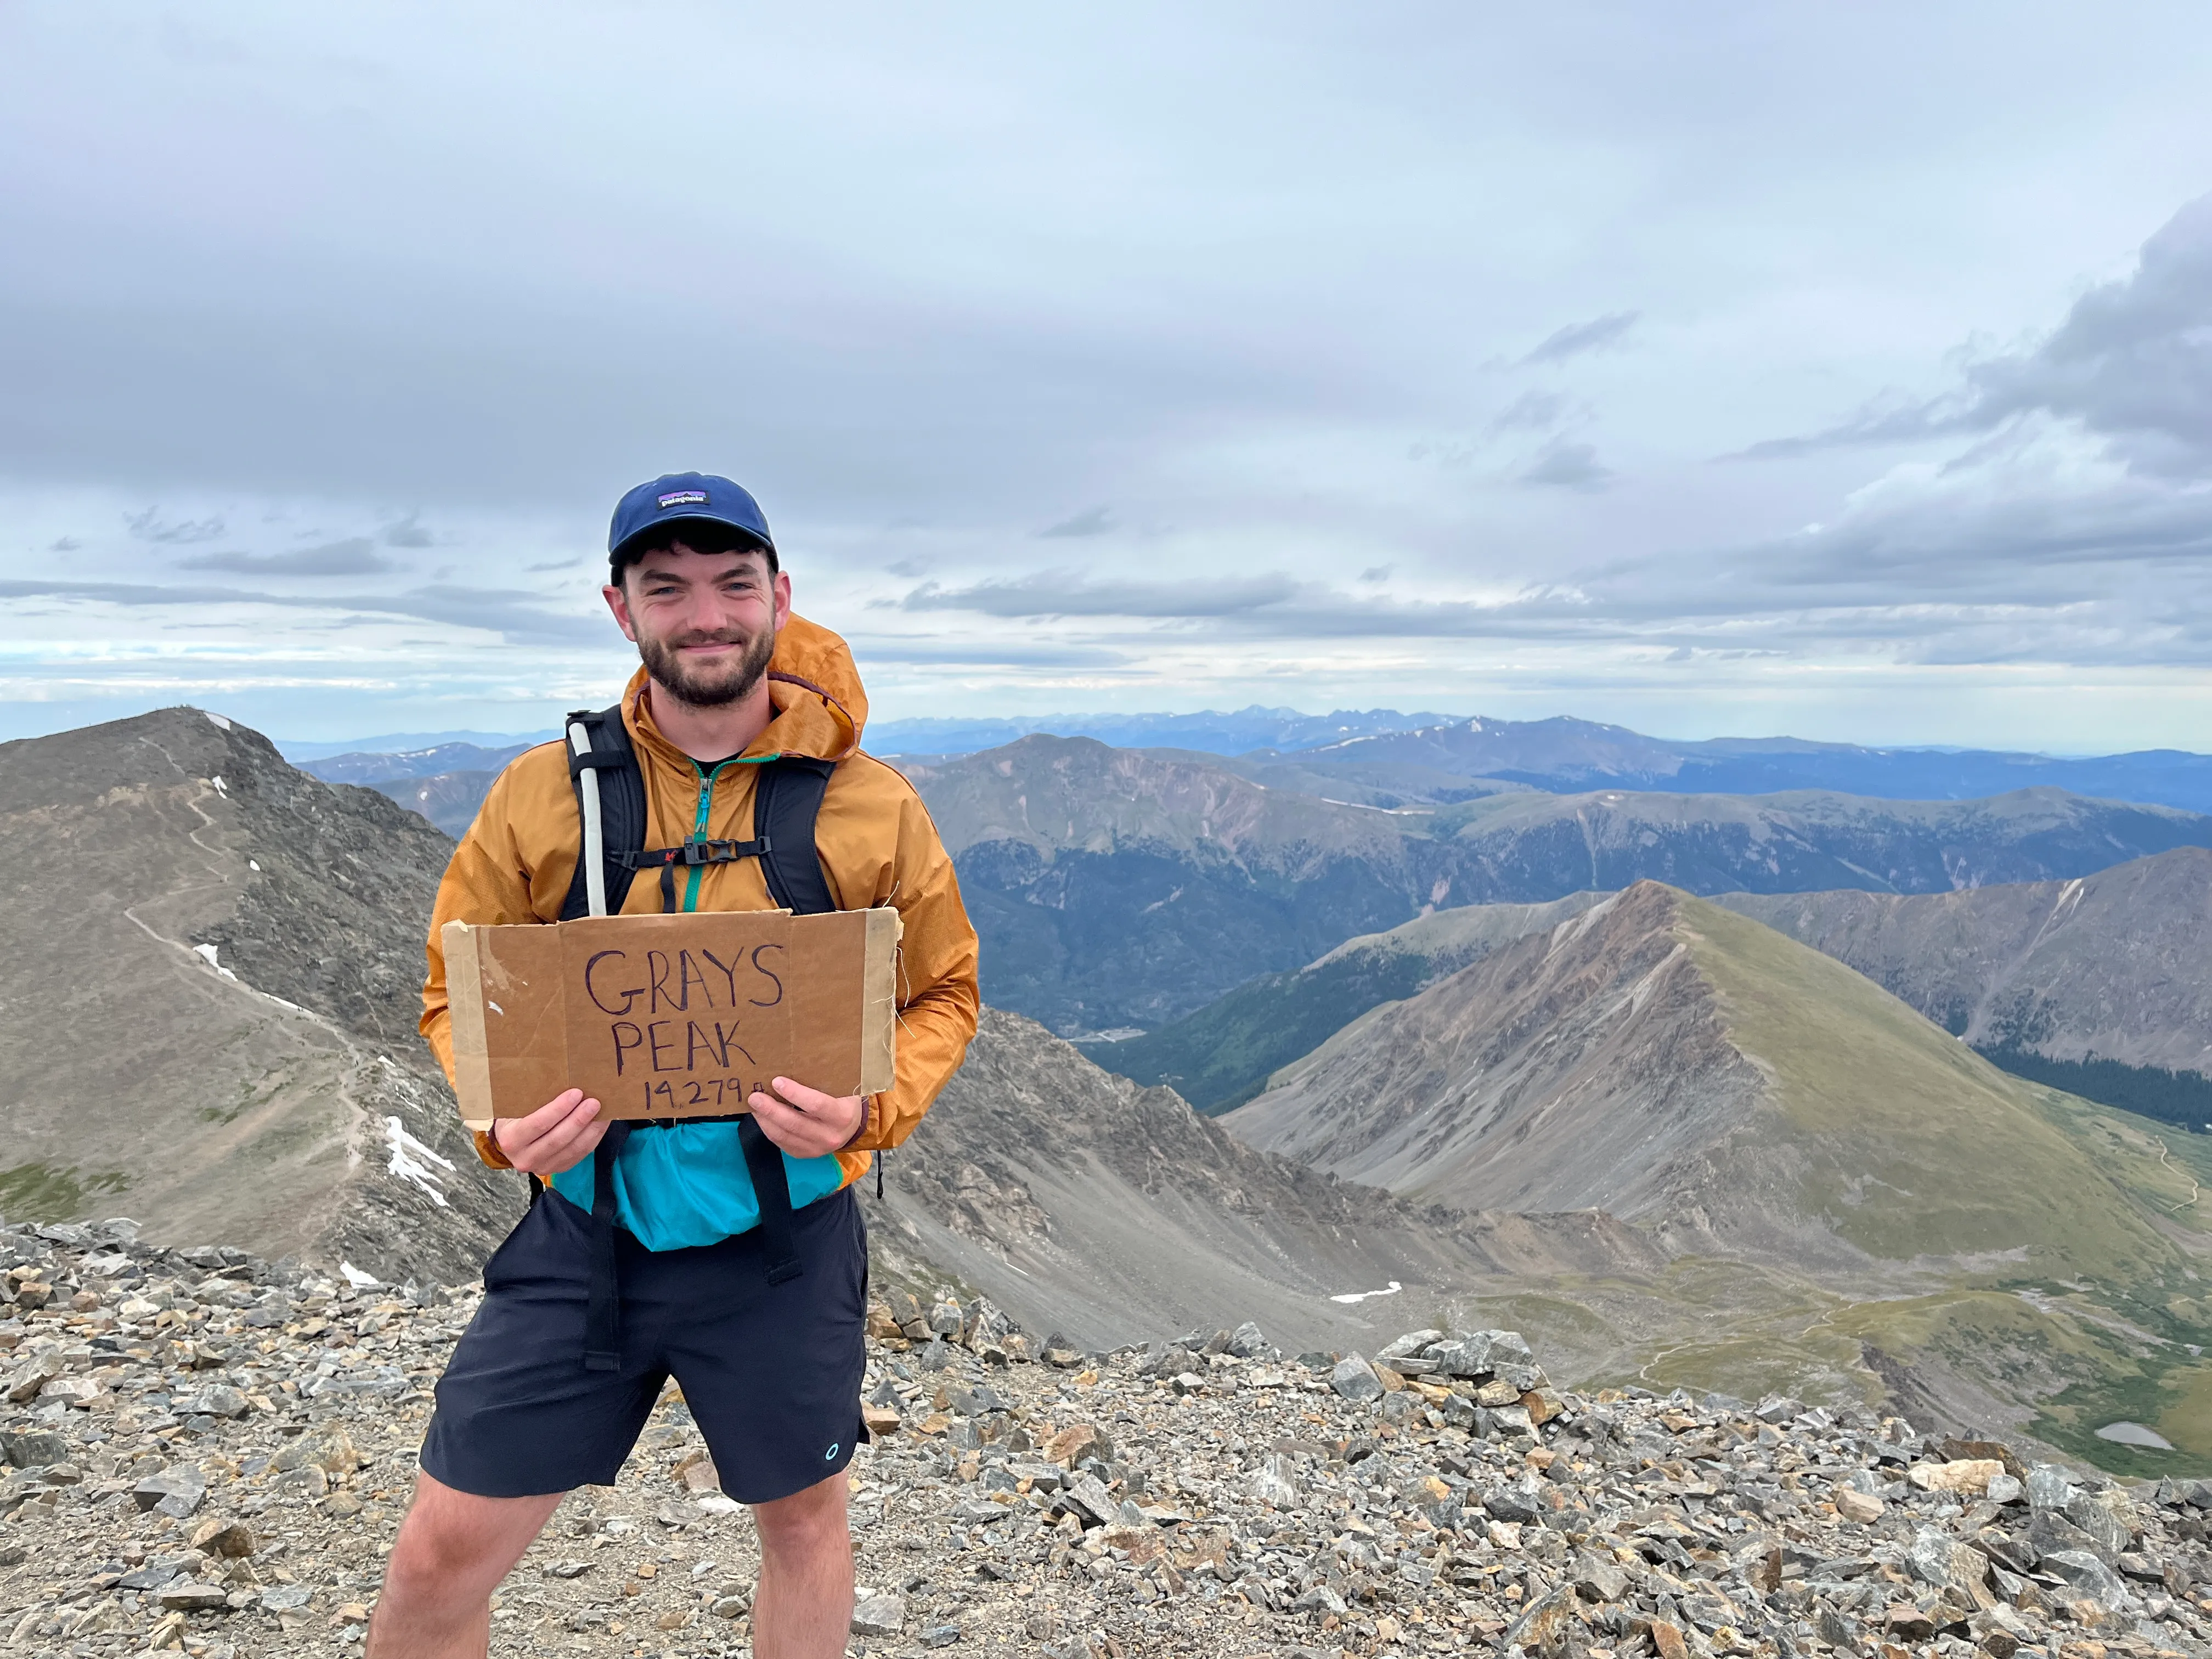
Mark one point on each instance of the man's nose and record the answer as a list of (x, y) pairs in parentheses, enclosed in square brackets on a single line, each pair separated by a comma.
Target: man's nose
[(707, 611)]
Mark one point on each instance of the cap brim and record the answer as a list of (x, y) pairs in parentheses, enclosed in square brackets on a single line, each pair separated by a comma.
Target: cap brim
[(659, 528)]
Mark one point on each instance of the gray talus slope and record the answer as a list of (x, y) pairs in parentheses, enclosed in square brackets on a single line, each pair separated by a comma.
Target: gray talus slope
[(249, 1102), (2112, 965), (1715, 1082), (1574, 1068), (1080, 1200)]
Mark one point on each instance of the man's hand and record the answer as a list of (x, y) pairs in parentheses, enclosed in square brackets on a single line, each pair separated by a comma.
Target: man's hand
[(556, 1136), (805, 1122)]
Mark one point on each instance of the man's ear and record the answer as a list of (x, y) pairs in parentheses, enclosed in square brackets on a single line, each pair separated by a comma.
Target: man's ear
[(618, 601), (782, 599)]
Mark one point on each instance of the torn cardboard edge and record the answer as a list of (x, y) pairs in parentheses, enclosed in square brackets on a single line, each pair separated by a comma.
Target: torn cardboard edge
[(671, 1015)]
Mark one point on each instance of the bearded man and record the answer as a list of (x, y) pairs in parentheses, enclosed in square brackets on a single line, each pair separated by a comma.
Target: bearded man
[(730, 1254)]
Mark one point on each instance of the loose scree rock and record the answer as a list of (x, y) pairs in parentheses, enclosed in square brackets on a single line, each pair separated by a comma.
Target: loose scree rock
[(209, 1453)]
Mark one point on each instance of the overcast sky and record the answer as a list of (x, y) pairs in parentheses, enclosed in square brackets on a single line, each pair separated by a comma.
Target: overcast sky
[(1840, 370)]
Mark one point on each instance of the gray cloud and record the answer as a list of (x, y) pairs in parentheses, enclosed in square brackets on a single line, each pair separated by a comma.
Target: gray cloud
[(2132, 361), (1532, 411), (1096, 521), (150, 527), (514, 615), (1067, 593), (1266, 607), (356, 557), (1598, 334), (987, 654), (894, 318), (1563, 466), (1889, 419)]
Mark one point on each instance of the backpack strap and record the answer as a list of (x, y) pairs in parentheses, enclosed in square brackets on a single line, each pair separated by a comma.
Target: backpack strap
[(609, 807), (787, 799), (610, 811)]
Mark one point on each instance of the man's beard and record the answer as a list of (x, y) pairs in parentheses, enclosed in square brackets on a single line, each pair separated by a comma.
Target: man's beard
[(726, 682)]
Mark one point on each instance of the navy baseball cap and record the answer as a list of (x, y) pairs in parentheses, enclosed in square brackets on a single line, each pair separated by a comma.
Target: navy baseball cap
[(678, 496)]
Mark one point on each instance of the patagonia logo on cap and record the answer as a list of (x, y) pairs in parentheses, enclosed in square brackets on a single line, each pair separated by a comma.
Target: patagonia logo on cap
[(684, 498)]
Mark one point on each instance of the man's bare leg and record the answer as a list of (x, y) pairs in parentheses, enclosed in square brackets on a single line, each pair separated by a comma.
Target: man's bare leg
[(803, 1607), (453, 1550)]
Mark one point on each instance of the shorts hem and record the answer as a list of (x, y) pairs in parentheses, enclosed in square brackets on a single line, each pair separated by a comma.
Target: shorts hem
[(484, 1485)]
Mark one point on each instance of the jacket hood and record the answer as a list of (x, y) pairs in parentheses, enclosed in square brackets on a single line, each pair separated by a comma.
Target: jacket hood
[(816, 667), (813, 685)]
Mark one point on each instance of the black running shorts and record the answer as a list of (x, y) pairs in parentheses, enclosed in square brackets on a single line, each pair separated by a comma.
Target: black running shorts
[(771, 1372)]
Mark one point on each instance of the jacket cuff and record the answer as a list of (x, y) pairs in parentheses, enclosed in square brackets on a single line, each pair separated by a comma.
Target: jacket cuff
[(487, 1150), (867, 1123)]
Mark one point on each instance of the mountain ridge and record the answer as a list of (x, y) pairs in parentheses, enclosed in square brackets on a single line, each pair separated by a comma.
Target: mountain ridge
[(252, 938), (1115, 890), (2094, 985), (1841, 1186), (1651, 1057)]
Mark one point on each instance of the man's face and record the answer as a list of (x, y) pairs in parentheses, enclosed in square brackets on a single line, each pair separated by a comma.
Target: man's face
[(704, 623)]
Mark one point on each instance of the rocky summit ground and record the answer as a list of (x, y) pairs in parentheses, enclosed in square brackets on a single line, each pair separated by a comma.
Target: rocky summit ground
[(211, 1454)]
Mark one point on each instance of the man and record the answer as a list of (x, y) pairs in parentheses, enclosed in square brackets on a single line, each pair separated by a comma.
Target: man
[(769, 1353)]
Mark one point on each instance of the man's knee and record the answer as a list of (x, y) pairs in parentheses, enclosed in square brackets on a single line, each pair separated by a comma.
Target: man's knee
[(809, 1519), (454, 1539)]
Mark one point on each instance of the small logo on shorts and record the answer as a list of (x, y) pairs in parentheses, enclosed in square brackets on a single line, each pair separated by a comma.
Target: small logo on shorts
[(830, 1456)]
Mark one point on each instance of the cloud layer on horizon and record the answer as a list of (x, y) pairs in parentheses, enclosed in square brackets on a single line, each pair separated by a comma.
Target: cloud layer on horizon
[(1075, 370)]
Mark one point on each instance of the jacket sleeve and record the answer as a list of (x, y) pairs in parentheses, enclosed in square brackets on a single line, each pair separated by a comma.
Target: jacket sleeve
[(485, 884), (938, 998)]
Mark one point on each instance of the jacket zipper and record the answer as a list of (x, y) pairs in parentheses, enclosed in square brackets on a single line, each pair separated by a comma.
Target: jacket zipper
[(698, 872), (699, 831)]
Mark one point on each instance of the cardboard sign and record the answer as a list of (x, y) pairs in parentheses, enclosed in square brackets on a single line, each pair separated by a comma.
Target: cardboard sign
[(671, 1015)]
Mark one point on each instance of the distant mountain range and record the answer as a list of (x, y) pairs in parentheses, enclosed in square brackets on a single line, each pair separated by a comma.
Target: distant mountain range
[(1117, 890), (299, 750), (1372, 757), (374, 768), (1120, 890), (1574, 756)]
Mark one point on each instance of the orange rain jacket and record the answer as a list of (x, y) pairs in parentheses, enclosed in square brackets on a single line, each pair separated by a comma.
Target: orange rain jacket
[(874, 838)]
